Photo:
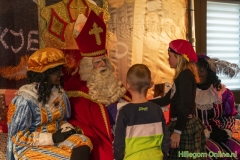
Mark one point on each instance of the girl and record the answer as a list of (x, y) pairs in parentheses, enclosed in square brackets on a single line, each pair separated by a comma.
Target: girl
[(186, 130)]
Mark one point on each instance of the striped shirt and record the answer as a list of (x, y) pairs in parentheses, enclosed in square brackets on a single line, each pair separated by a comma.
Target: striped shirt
[(141, 133)]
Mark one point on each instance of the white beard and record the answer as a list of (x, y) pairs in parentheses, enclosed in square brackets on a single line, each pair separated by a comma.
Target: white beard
[(104, 86)]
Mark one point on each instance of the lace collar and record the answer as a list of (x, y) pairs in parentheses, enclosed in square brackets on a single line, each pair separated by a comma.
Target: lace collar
[(205, 98), (29, 92)]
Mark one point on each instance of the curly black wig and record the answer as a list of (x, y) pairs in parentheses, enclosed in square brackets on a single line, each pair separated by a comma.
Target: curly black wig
[(42, 85), (212, 78)]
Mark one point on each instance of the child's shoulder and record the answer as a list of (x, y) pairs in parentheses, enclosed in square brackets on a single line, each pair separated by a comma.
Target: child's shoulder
[(136, 105), (150, 103), (186, 73)]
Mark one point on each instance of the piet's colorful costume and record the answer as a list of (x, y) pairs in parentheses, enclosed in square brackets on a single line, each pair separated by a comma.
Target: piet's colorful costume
[(90, 115), (31, 123), (215, 107)]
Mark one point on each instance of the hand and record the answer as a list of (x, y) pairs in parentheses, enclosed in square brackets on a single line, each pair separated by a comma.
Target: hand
[(219, 135), (175, 140), (60, 136), (207, 133)]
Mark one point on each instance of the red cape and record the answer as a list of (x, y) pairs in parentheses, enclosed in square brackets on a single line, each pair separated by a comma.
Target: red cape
[(91, 117)]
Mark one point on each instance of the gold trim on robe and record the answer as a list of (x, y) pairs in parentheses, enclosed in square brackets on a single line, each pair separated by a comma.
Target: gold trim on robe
[(87, 96)]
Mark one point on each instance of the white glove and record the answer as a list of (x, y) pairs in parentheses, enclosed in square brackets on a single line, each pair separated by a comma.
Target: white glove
[(207, 133), (66, 127), (121, 104), (229, 132)]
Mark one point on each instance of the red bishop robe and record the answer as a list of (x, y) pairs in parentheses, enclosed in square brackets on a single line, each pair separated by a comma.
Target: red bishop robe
[(91, 117)]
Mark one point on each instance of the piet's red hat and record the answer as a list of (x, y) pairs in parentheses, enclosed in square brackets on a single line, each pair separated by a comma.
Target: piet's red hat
[(92, 38), (184, 48)]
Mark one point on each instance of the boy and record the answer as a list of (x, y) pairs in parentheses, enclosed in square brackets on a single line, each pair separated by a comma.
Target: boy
[(141, 132)]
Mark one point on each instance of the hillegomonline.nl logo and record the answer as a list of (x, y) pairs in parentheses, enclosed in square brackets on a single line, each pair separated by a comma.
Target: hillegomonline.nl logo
[(210, 154)]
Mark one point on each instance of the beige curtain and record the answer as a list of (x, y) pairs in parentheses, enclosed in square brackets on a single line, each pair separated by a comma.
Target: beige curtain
[(143, 29)]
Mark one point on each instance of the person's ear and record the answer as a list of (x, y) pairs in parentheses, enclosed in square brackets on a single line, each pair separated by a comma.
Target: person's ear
[(127, 86)]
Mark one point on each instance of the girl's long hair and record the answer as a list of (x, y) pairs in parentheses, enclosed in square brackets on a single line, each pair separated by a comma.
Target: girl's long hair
[(182, 64), (42, 85)]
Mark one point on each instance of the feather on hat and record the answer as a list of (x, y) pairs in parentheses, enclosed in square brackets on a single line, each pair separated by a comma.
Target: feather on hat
[(221, 67)]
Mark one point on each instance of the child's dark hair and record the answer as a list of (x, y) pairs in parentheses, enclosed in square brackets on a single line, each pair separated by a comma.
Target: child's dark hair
[(43, 87), (139, 78), (212, 78)]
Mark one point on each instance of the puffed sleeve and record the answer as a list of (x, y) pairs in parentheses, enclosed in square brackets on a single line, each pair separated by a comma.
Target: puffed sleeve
[(20, 122), (228, 103), (68, 107), (229, 111)]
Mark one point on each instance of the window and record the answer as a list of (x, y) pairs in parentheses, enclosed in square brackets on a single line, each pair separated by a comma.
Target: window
[(223, 36)]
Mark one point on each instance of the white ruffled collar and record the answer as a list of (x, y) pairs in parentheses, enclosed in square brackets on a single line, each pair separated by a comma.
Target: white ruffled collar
[(29, 91), (205, 98)]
